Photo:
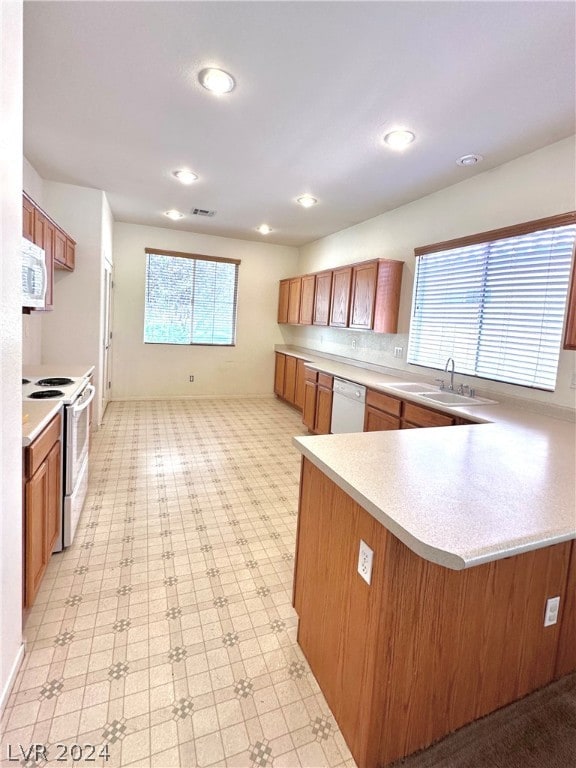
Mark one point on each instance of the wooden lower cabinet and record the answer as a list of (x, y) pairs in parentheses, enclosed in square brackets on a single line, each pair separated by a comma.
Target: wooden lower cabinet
[(384, 412), (424, 649), (42, 506), (317, 412), (289, 379)]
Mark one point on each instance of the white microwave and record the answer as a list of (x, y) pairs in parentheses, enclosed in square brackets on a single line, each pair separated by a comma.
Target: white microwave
[(34, 275)]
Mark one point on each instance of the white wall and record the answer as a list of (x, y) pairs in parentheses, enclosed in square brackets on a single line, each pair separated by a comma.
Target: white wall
[(530, 187), (158, 370), (11, 647)]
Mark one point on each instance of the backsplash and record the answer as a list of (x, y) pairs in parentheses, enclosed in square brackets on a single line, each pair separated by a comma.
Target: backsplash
[(32, 339)]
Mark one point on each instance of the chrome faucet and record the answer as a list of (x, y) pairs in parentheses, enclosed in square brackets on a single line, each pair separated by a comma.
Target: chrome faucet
[(451, 385)]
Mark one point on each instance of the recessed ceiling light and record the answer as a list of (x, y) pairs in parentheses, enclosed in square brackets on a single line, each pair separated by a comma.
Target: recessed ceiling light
[(174, 214), (399, 139), (184, 176), (469, 159), (306, 201), (216, 80), (264, 229)]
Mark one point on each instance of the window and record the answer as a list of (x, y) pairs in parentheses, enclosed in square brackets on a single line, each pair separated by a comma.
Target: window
[(190, 299), (495, 302)]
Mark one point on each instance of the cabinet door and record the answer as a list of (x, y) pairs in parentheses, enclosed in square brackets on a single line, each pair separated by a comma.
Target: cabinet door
[(28, 219), (388, 289), (294, 300), (283, 293), (36, 549), (426, 417), (323, 411), (300, 383), (307, 299), (54, 500), (279, 369), (322, 292), (70, 254), (44, 237), (378, 421), (290, 379), (309, 410), (59, 249), (363, 295), (340, 298)]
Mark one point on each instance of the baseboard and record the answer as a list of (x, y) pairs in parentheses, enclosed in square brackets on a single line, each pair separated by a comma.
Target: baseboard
[(11, 678)]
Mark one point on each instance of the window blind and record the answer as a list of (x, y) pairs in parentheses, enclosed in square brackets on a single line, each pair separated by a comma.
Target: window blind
[(190, 299), (496, 307)]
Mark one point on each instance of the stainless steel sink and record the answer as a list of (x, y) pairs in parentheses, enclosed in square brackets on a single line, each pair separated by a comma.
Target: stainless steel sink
[(452, 398)]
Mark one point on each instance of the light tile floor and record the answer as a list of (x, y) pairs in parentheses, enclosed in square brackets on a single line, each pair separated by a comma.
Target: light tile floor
[(165, 634)]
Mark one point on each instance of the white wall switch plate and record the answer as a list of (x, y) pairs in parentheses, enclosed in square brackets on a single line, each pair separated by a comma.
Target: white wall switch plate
[(398, 351), (552, 608), (365, 557)]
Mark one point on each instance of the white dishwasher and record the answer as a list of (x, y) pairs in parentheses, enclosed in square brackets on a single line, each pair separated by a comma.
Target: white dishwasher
[(347, 407)]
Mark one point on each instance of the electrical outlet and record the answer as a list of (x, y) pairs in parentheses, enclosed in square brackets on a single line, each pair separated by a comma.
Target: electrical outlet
[(398, 351), (191, 378), (353, 343), (365, 557), (551, 614)]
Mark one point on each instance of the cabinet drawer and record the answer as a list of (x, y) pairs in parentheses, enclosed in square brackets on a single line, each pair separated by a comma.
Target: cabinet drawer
[(310, 374), (324, 380), (40, 448), (424, 417), (383, 402)]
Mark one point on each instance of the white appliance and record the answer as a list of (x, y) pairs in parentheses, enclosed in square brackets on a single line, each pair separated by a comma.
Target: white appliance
[(347, 407), (75, 394), (34, 275)]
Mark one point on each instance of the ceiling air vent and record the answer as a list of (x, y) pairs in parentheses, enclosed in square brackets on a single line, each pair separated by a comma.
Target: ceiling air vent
[(202, 212)]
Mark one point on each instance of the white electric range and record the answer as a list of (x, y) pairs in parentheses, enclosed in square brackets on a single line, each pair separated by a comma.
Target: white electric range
[(75, 394)]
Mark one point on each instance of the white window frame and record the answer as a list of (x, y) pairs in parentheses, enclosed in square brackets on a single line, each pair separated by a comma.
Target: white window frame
[(495, 302), (203, 306)]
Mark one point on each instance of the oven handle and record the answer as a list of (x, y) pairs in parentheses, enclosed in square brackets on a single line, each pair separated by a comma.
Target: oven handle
[(85, 402)]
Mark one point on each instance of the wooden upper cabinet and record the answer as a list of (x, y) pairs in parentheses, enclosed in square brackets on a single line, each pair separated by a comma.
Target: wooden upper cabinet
[(294, 300), (364, 277), (322, 294), (388, 287), (340, 297), (307, 299), (570, 334), (283, 293), (28, 219)]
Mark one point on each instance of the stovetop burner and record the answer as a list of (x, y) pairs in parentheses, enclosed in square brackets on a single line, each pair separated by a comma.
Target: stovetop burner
[(43, 394), (54, 382), (25, 381)]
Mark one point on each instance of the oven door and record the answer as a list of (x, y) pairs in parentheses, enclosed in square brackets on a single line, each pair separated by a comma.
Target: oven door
[(77, 437)]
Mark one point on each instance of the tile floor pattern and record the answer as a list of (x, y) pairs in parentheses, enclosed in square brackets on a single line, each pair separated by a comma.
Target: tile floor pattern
[(165, 634)]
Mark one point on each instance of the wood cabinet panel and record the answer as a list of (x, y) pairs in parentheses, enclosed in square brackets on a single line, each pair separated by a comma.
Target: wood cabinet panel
[(425, 417), (283, 293), (307, 300), (279, 368), (300, 382), (325, 380), (294, 300), (323, 411), (28, 219), (376, 420), (566, 658), (387, 302), (37, 451), (36, 503), (340, 297), (424, 649), (290, 378), (70, 254), (383, 402), (322, 294), (309, 410), (363, 296)]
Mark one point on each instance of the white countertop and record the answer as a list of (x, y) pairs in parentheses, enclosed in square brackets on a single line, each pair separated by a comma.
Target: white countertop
[(37, 415), (457, 496)]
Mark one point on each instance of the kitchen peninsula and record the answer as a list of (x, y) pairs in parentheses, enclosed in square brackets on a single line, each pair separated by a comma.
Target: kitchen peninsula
[(472, 530)]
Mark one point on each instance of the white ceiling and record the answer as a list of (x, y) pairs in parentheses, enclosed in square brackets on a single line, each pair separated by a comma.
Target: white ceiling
[(112, 101)]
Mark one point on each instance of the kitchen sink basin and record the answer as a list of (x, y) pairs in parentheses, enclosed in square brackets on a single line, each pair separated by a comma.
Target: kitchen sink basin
[(451, 398), (411, 387)]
